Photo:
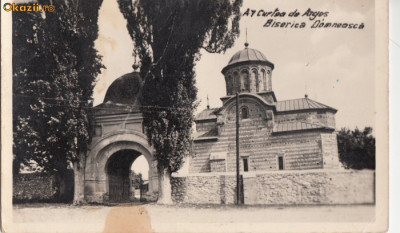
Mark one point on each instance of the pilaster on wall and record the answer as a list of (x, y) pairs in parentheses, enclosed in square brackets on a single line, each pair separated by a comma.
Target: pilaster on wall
[(330, 154)]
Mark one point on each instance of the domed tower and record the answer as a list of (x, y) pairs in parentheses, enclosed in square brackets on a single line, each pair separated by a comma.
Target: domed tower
[(249, 71)]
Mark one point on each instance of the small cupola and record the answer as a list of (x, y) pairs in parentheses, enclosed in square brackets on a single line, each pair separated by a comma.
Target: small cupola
[(248, 71)]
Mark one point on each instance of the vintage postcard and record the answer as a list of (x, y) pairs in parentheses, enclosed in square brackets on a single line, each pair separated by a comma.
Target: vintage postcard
[(194, 116)]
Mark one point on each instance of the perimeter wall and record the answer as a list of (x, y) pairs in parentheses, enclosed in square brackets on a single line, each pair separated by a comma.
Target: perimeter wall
[(304, 187)]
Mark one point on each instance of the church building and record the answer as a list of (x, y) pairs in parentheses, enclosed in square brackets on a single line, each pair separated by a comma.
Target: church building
[(294, 134), (275, 135)]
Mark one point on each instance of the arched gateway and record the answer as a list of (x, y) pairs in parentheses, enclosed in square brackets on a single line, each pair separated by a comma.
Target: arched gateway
[(118, 140)]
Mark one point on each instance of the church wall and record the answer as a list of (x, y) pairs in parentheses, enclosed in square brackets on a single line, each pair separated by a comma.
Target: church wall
[(267, 96), (205, 126), (218, 165), (315, 117), (260, 148), (300, 150), (330, 150)]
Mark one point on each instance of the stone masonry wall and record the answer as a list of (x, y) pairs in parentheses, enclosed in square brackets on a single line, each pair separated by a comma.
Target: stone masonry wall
[(34, 187), (204, 189), (43, 187), (279, 188)]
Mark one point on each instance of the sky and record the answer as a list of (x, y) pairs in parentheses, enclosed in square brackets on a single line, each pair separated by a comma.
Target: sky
[(140, 165), (333, 66)]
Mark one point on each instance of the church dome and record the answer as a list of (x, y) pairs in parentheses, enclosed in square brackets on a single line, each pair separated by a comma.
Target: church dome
[(246, 56), (124, 90)]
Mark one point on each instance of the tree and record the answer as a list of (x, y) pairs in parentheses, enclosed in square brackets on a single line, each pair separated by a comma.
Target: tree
[(55, 66), (137, 179), (357, 148), (168, 37)]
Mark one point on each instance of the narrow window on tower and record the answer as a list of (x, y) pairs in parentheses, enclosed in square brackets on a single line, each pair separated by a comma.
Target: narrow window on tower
[(264, 78), (230, 85), (246, 80), (269, 81), (236, 83), (245, 164), (256, 79)]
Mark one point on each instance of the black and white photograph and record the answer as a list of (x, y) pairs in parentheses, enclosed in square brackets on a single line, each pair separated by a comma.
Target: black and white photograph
[(194, 116)]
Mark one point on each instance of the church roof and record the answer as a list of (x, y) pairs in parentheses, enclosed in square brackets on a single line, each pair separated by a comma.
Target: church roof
[(301, 104), (209, 135), (248, 55), (281, 107), (124, 90), (206, 114), (296, 126)]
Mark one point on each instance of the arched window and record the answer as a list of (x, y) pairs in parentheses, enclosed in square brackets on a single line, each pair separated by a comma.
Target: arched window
[(269, 86), (246, 80), (229, 85), (264, 78), (236, 83), (254, 77), (244, 112)]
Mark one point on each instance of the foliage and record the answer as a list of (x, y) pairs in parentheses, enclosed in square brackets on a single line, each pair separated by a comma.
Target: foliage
[(357, 148), (54, 69), (168, 36), (137, 179)]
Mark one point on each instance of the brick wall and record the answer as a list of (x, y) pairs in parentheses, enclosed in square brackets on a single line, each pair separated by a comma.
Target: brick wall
[(218, 165), (300, 150), (322, 118), (283, 188)]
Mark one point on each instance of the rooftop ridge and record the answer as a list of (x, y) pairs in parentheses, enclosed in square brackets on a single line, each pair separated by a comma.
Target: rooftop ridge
[(300, 104), (297, 126)]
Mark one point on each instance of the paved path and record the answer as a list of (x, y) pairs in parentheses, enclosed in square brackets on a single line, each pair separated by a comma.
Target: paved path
[(156, 218), (133, 219)]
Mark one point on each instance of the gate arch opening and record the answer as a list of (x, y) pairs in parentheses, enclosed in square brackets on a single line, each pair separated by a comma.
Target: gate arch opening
[(118, 175), (139, 177), (109, 162)]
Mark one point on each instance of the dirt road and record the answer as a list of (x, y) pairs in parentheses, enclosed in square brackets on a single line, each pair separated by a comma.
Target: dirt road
[(156, 218)]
